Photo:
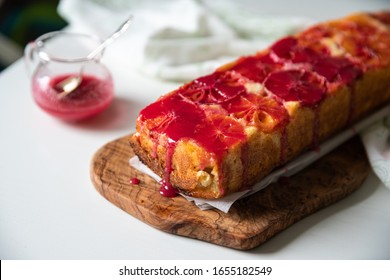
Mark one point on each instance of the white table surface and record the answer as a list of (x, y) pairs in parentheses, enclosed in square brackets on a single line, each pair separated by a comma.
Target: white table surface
[(49, 208)]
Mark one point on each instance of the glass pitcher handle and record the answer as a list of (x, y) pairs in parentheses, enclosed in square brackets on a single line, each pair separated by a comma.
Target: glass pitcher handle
[(30, 57)]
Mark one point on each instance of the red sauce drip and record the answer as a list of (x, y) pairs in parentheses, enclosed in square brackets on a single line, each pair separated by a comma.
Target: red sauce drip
[(155, 146), (245, 163), (283, 145), (170, 146), (221, 178), (167, 189), (352, 106), (316, 126), (134, 181)]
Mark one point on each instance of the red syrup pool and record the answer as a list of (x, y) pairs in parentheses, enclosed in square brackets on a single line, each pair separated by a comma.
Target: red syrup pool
[(134, 181), (92, 97)]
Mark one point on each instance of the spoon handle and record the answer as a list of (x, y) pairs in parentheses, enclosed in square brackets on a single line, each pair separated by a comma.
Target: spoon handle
[(124, 26)]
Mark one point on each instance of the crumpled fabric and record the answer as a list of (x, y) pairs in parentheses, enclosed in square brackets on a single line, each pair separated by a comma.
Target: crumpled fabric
[(376, 140), (179, 40)]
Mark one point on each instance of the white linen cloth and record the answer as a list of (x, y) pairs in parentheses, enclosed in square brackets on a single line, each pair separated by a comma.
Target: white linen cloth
[(376, 140), (179, 40)]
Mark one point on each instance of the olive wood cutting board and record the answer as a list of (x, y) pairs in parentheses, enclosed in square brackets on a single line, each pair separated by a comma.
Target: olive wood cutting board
[(251, 221)]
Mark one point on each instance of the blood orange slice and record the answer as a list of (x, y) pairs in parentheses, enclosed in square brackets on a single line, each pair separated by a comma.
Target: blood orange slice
[(220, 133), (173, 116), (297, 85), (255, 68), (215, 88), (263, 112)]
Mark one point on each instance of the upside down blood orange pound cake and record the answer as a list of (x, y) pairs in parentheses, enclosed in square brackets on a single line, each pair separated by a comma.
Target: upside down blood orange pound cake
[(223, 132)]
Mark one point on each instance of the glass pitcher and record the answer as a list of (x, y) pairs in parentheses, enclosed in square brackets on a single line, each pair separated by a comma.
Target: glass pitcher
[(56, 60)]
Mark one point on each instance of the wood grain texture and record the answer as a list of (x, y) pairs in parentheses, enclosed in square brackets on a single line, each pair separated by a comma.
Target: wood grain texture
[(251, 221)]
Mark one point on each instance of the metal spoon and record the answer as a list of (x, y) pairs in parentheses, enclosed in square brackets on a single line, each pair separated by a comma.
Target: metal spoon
[(69, 84)]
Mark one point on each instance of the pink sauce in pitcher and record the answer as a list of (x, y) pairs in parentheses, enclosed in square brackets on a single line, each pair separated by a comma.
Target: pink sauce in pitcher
[(90, 98)]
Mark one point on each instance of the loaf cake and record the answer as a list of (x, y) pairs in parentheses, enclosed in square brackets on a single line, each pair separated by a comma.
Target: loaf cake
[(225, 131)]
